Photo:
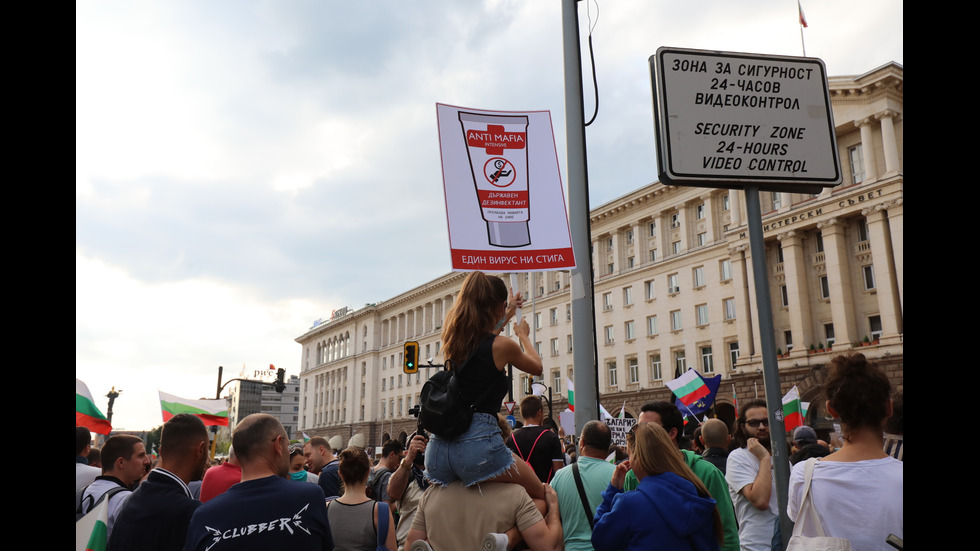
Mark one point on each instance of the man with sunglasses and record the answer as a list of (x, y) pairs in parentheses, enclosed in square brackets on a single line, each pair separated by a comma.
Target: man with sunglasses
[(750, 481)]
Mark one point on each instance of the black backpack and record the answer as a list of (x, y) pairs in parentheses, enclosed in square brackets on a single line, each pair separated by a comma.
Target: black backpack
[(81, 500), (442, 409)]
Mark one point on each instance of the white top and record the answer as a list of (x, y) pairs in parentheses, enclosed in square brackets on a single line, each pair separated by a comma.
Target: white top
[(860, 501), (116, 502), (755, 527)]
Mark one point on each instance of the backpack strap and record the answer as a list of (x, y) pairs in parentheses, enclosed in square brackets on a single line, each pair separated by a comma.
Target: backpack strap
[(382, 508), (581, 495)]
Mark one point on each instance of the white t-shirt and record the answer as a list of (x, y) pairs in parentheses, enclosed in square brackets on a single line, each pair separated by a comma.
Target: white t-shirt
[(860, 501), (755, 527)]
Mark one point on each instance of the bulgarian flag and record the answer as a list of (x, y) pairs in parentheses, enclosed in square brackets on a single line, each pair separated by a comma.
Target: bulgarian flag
[(212, 412), (792, 409), (86, 413), (689, 387), (802, 15), (91, 531), (571, 394)]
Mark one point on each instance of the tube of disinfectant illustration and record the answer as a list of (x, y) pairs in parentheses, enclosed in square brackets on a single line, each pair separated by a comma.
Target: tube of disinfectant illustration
[(497, 148)]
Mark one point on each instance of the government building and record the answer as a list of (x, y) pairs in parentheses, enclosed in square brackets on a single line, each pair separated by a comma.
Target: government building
[(673, 289)]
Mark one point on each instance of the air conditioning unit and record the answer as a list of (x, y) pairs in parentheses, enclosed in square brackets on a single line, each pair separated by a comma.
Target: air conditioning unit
[(674, 290)]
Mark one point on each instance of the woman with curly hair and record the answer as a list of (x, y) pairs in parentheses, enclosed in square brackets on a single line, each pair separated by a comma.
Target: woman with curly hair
[(471, 346), (857, 491)]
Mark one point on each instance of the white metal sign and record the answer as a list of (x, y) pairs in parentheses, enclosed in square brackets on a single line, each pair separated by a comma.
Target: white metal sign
[(729, 119), (504, 199)]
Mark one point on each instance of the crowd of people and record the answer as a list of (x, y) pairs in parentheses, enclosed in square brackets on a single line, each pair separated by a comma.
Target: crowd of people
[(494, 489)]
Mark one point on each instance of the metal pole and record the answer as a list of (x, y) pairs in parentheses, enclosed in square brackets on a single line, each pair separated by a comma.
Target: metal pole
[(582, 295), (770, 368)]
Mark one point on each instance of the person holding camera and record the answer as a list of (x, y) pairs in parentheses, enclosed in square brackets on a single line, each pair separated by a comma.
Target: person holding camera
[(407, 484)]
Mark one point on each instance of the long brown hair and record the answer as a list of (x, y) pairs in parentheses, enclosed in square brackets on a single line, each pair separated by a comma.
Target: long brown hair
[(652, 450), (473, 315)]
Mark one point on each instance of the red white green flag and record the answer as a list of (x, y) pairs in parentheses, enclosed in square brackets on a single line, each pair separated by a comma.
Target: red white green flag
[(212, 412), (91, 531), (689, 388), (86, 413), (571, 394), (792, 409)]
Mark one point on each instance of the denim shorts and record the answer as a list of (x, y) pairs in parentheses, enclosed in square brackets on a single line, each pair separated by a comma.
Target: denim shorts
[(477, 455)]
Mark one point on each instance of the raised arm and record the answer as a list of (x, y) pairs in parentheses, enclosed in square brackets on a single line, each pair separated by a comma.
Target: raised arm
[(506, 351)]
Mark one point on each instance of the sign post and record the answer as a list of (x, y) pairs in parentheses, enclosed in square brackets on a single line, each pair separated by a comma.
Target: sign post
[(751, 122)]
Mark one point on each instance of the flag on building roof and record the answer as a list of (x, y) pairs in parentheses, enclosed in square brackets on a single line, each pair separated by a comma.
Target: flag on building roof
[(571, 394), (689, 387), (91, 531), (86, 413), (802, 15), (212, 412), (701, 405), (792, 409)]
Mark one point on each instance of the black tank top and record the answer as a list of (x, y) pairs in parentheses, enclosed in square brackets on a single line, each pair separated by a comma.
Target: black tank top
[(481, 381)]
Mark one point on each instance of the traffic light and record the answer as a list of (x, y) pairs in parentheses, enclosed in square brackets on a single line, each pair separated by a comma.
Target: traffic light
[(411, 357), (280, 384)]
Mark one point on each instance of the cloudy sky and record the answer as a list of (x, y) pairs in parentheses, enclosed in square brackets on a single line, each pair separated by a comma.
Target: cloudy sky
[(245, 167)]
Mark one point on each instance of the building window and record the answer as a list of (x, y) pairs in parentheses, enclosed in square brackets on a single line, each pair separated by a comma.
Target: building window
[(680, 362), (650, 290), (729, 306), (656, 373), (819, 239), (628, 296), (699, 212), (856, 158), (610, 268), (653, 229), (630, 331), (634, 370), (675, 320), (383, 381), (630, 262), (788, 337), (556, 381), (824, 287), (725, 202), (609, 244), (676, 247), (606, 302), (869, 277), (569, 344), (672, 284), (725, 267), (862, 229), (537, 320), (702, 314), (653, 255), (828, 331), (874, 322), (675, 220), (554, 347), (553, 313), (702, 239), (698, 277), (384, 412), (707, 363), (537, 348), (733, 353), (610, 335), (783, 296), (629, 237), (651, 325), (611, 369)]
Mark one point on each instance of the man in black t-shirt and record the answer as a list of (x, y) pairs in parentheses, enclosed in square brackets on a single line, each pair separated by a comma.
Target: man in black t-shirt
[(539, 446)]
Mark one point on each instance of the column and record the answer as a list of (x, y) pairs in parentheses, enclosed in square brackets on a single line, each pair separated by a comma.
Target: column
[(743, 306), (896, 225), (794, 270), (868, 149), (684, 229), (836, 256), (888, 142), (884, 270), (735, 203), (663, 235), (709, 217)]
